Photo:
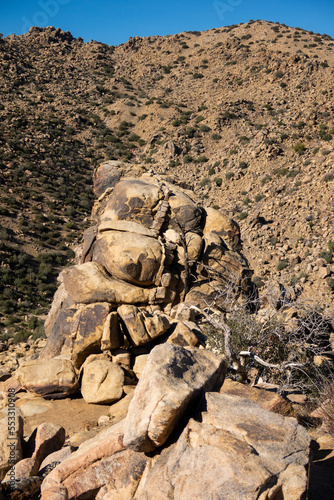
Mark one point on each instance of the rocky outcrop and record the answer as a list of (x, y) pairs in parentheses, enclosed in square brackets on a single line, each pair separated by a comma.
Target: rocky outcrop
[(238, 450), (172, 380), (151, 248)]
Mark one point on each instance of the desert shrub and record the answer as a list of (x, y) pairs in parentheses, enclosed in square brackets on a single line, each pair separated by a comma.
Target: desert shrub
[(327, 256), (259, 197), (299, 148), (229, 175), (328, 177), (204, 128), (216, 137), (330, 283), (218, 181), (242, 215), (331, 246), (282, 264), (187, 159), (205, 182), (202, 159)]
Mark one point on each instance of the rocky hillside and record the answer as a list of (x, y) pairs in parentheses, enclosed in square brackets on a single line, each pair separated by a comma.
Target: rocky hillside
[(241, 114)]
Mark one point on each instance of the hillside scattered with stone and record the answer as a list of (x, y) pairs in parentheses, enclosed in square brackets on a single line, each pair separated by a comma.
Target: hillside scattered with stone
[(242, 114)]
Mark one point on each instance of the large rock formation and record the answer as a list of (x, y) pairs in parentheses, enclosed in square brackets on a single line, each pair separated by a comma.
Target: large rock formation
[(150, 248)]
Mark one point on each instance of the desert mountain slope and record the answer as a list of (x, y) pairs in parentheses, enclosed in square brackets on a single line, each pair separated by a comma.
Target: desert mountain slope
[(242, 114)]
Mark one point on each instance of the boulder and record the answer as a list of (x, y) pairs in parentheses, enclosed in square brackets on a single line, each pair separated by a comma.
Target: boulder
[(127, 256), (112, 336), (50, 378), (58, 324), (87, 330), (89, 283), (140, 325), (226, 228), (184, 334), (71, 471), (238, 450), (267, 399), (133, 200), (106, 176), (56, 457), (172, 379), (102, 380)]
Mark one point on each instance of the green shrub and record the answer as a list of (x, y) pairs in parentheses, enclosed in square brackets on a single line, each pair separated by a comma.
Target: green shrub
[(327, 256), (328, 177), (204, 128), (202, 159), (216, 137), (242, 215), (218, 181), (331, 246), (229, 175), (259, 197), (299, 148), (205, 182), (187, 159), (282, 264), (330, 283)]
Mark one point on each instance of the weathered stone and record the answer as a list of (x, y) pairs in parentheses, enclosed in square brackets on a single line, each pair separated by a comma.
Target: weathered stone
[(11, 437), (121, 472), (194, 244), (267, 399), (131, 257), (89, 237), (172, 378), (50, 378), (124, 483), (58, 324), (112, 337), (106, 176), (118, 411), (89, 283), (134, 323), (56, 456), (224, 227), (87, 329), (139, 364), (46, 439), (155, 324), (134, 200), (183, 335), (102, 381), (104, 445), (238, 450)]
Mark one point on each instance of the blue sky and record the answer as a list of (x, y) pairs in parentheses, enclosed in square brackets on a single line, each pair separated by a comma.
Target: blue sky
[(113, 22)]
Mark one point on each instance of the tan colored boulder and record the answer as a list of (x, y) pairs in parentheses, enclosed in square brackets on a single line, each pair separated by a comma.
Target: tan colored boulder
[(131, 257), (267, 399), (58, 324), (112, 337), (184, 335), (121, 472), (89, 283), (87, 330), (139, 364), (194, 243), (11, 437), (134, 200), (50, 378), (141, 325), (57, 456), (104, 445), (237, 450), (118, 411), (172, 378), (102, 381), (155, 324), (226, 228), (106, 176), (134, 323)]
